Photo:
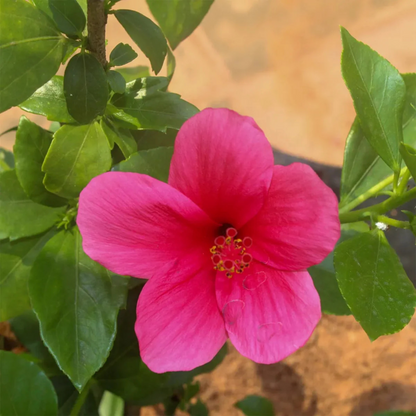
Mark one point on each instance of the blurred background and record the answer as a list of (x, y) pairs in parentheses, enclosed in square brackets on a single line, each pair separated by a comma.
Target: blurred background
[(279, 62)]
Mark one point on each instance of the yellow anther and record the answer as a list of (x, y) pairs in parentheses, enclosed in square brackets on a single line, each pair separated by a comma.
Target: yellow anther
[(213, 250), (228, 241)]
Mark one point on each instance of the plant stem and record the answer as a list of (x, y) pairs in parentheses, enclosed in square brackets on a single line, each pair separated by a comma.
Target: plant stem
[(382, 208), (403, 183), (375, 190), (81, 399), (97, 19), (392, 222)]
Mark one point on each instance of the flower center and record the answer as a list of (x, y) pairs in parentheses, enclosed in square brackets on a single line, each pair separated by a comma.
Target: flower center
[(229, 254)]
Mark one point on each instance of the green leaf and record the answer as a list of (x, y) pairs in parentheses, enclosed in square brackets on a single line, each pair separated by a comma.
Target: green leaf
[(49, 101), (171, 65), (412, 220), (255, 406), (378, 92), (395, 413), (182, 377), (153, 109), (121, 137), (71, 47), (68, 395), (14, 128), (178, 19), (149, 139), (324, 277), (116, 81), (374, 284), (326, 284), (19, 215), (67, 14), (84, 6), (198, 409), (16, 260), (25, 389), (153, 162), (363, 168), (31, 51), (32, 144), (124, 373), (147, 36), (190, 391), (77, 154), (111, 405), (76, 300), (85, 88), (6, 159), (122, 54), (132, 73), (409, 156), (26, 328)]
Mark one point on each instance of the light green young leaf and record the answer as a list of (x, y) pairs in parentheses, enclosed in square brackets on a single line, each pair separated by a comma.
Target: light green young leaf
[(19, 215), (111, 405), (76, 300), (151, 108), (178, 19), (134, 72), (121, 137), (374, 284), (32, 144), (25, 389), (31, 51), (16, 260), (6, 159), (77, 154), (85, 88), (378, 92), (49, 101), (147, 36), (363, 168), (409, 156)]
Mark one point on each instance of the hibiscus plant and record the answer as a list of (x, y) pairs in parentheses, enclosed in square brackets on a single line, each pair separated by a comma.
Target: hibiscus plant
[(139, 234)]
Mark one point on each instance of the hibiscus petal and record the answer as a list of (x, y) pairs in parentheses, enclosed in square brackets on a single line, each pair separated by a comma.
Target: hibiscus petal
[(224, 163), (133, 224), (179, 326), (298, 225), (268, 314)]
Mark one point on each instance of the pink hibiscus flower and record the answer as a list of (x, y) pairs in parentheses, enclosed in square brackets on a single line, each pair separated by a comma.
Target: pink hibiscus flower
[(226, 244)]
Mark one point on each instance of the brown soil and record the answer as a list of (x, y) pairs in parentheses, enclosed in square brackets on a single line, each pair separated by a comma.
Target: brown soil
[(278, 61)]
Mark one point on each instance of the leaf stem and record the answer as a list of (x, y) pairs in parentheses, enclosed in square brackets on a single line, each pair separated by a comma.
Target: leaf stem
[(403, 183), (393, 222), (378, 209), (81, 399), (396, 177), (375, 190), (96, 21)]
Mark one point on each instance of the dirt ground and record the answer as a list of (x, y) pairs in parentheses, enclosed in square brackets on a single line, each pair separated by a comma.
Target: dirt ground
[(278, 61)]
